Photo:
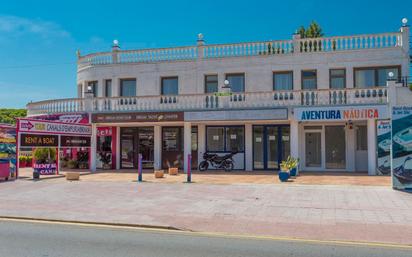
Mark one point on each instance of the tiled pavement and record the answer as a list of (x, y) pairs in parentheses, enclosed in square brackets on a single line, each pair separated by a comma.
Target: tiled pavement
[(338, 212)]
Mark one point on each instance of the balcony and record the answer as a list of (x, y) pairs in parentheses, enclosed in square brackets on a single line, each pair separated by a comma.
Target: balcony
[(266, 48), (248, 100)]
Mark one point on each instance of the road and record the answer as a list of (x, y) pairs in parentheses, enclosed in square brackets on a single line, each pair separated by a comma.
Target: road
[(42, 239)]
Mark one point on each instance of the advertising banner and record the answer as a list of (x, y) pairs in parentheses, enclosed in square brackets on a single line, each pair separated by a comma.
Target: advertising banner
[(50, 127), (73, 141), (383, 146), (137, 117), (77, 118), (402, 147), (30, 140), (46, 169), (8, 146)]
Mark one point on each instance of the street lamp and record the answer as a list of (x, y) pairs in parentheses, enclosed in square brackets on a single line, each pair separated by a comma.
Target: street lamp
[(226, 84), (404, 22), (89, 88)]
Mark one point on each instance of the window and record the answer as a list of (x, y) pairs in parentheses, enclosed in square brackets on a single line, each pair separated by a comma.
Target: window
[(374, 77), (128, 87), (172, 139), (283, 80), (211, 84), (236, 82), (361, 138), (170, 86), (337, 78), (108, 88), (309, 80), (93, 86), (225, 139)]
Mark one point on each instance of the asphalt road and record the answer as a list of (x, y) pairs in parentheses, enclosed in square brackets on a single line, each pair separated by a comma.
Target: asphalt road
[(27, 239)]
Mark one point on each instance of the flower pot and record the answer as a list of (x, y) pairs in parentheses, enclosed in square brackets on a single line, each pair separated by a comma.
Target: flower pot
[(72, 176), (159, 173), (107, 166), (173, 171), (294, 172), (22, 164), (284, 176)]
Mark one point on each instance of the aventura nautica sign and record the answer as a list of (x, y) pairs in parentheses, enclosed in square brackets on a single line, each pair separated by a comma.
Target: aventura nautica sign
[(51, 127), (341, 113)]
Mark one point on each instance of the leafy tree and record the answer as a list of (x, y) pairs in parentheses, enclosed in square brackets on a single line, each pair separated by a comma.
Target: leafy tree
[(312, 31), (9, 115)]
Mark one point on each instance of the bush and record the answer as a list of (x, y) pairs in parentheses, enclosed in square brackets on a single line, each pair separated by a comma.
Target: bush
[(22, 159), (45, 155), (72, 164)]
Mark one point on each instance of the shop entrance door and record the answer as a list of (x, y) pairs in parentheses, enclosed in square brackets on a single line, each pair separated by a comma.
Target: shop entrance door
[(135, 141), (313, 152), (271, 145)]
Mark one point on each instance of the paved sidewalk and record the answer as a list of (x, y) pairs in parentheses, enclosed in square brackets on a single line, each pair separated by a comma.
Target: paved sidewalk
[(315, 212)]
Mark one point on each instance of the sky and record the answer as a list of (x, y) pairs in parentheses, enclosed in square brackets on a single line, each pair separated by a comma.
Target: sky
[(39, 39)]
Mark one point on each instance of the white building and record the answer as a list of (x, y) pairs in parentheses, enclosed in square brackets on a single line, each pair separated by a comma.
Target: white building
[(316, 99)]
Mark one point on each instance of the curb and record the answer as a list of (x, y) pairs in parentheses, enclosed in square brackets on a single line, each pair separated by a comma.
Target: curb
[(114, 224)]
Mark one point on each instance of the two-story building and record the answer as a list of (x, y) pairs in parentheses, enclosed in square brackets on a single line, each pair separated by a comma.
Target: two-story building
[(317, 99)]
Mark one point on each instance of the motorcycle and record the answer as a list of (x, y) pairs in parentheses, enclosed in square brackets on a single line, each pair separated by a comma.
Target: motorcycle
[(225, 162)]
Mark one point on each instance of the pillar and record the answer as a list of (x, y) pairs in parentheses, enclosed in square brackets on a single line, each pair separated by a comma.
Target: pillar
[(248, 147), (187, 143), (93, 149), (201, 141), (350, 149), (294, 138), (118, 150), (157, 147), (371, 147)]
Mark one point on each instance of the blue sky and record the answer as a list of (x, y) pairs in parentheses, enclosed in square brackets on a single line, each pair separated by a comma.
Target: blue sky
[(38, 39)]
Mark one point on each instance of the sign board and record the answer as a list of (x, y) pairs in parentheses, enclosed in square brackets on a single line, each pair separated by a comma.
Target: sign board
[(341, 113), (78, 118), (35, 140), (383, 146), (74, 141), (402, 147), (52, 127), (238, 115), (104, 131), (46, 169), (137, 117)]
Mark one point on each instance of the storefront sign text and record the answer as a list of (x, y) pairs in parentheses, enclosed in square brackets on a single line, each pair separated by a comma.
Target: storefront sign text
[(39, 140), (341, 113), (137, 117), (73, 141), (39, 126)]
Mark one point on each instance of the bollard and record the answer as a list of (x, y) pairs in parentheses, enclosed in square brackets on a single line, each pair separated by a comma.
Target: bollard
[(139, 168), (189, 168)]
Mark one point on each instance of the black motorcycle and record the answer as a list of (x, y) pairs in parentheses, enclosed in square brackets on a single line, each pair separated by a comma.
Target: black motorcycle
[(218, 162)]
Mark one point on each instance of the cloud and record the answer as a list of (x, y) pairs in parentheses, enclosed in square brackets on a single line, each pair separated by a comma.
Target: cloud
[(14, 25)]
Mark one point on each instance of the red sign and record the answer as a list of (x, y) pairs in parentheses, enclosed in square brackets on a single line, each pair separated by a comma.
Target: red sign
[(104, 131)]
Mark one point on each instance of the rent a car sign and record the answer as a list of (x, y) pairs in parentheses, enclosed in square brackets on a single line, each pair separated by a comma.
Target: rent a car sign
[(56, 128), (341, 113)]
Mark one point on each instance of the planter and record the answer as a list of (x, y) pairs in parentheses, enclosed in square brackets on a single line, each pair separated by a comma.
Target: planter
[(294, 172), (22, 164), (36, 175), (173, 171), (284, 176), (72, 175), (159, 174), (107, 166)]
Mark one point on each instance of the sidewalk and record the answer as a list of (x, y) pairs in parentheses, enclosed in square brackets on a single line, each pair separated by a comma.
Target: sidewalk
[(354, 213)]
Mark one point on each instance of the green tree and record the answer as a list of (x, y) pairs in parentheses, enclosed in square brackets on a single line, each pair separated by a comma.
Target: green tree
[(312, 31), (9, 115)]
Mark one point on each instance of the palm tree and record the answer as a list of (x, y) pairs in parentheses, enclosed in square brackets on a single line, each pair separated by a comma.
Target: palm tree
[(312, 31)]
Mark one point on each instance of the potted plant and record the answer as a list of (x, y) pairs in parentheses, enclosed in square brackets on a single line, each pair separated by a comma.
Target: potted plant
[(284, 173), (29, 161), (72, 164), (22, 161), (293, 164), (106, 159), (83, 160)]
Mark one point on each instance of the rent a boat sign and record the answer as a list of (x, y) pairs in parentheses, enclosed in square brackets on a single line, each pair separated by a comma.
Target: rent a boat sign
[(341, 113)]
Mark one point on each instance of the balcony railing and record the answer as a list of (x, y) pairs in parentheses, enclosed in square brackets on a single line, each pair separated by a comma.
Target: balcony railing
[(281, 47), (254, 100)]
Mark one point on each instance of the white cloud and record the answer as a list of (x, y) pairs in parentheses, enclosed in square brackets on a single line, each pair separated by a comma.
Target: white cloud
[(14, 25)]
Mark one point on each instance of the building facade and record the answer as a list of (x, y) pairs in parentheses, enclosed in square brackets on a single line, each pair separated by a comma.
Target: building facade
[(317, 99)]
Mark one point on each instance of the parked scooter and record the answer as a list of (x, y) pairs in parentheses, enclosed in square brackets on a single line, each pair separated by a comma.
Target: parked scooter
[(225, 162)]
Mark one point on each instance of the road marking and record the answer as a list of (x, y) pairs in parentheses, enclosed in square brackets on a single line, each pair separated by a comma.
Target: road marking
[(207, 234)]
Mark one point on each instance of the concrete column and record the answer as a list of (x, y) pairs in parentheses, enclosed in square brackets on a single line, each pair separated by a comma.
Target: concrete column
[(349, 77), (297, 84), (157, 147), (201, 141), (93, 148), (118, 150), (248, 147), (371, 147), (187, 143), (294, 138), (350, 149), (115, 87)]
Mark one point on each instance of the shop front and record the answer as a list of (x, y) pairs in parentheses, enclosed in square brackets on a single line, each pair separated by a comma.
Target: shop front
[(339, 138)]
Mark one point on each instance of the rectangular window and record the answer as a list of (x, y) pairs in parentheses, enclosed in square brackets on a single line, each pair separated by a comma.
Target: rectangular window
[(309, 80), (172, 139), (93, 87), (170, 86), (211, 84), (128, 87), (361, 138), (337, 78), (225, 139), (283, 80), (236, 82), (108, 88), (374, 76)]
